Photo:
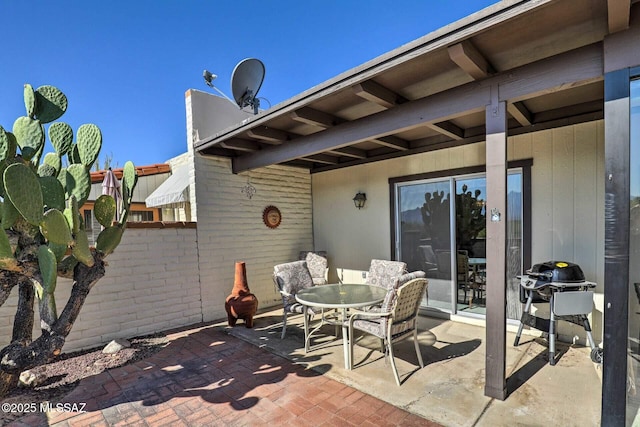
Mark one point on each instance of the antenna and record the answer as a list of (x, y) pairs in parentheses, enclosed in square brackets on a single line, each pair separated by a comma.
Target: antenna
[(246, 80), (209, 78)]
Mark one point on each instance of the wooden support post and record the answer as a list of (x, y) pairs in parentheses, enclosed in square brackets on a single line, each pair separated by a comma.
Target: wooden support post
[(496, 332), (617, 138)]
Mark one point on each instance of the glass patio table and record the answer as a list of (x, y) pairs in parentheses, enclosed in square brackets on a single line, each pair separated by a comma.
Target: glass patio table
[(341, 297)]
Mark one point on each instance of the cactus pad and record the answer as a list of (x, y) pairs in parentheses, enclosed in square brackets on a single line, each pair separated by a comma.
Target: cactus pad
[(7, 260), (72, 155), (89, 144), (51, 103), (54, 228), (72, 215), (7, 144), (104, 210), (9, 214), (81, 249), (46, 170), (59, 250), (48, 268), (61, 136), (77, 182), (23, 189), (53, 160), (52, 192), (29, 100), (109, 239), (29, 135)]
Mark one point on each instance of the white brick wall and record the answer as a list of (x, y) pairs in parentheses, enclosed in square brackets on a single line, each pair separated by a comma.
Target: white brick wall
[(152, 284), (230, 228)]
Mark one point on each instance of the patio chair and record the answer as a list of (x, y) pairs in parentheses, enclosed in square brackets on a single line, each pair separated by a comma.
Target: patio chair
[(290, 278), (384, 273), (396, 319), (317, 265)]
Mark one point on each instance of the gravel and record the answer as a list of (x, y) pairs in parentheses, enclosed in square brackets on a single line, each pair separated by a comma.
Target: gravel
[(61, 376)]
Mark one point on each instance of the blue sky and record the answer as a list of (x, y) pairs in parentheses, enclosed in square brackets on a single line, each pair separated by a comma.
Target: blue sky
[(126, 64)]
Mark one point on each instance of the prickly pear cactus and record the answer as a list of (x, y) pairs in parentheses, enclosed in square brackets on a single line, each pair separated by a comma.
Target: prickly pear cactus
[(42, 233)]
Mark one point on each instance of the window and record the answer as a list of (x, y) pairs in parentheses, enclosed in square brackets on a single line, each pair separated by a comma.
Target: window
[(140, 216)]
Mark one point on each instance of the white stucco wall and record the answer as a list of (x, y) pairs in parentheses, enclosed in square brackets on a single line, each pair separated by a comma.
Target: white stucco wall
[(206, 114), (567, 199)]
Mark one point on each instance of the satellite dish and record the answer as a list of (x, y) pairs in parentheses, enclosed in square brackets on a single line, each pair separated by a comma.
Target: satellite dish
[(246, 80)]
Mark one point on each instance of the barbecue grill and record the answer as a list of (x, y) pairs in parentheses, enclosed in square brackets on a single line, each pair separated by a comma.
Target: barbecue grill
[(562, 285)]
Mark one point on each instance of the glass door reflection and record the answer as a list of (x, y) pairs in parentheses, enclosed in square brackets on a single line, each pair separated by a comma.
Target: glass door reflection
[(424, 232), (471, 233)]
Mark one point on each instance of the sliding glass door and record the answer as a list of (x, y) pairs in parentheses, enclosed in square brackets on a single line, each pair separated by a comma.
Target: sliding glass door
[(446, 237)]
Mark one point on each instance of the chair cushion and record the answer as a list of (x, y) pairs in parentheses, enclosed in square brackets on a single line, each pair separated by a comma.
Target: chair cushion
[(383, 273), (317, 266), (377, 327), (292, 276)]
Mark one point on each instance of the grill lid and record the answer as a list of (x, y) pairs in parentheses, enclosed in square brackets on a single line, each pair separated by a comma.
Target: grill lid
[(557, 271)]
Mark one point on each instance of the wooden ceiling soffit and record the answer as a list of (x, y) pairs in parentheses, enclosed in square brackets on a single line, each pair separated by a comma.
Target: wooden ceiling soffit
[(269, 135), (375, 92), (580, 66), (469, 58), (520, 112), (240, 145), (570, 111), (392, 142), (313, 117), (447, 128), (618, 15), (356, 153), (321, 158)]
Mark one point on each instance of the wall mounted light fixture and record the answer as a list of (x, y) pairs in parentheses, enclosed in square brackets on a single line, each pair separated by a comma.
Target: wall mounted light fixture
[(359, 200)]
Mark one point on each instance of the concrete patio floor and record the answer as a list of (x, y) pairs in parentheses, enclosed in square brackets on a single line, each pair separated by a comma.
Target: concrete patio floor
[(449, 390)]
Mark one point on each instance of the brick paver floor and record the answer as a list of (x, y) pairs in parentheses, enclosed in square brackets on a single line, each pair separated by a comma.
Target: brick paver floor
[(205, 377)]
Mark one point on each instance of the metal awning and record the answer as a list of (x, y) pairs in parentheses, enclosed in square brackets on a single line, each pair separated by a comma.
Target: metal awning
[(173, 190)]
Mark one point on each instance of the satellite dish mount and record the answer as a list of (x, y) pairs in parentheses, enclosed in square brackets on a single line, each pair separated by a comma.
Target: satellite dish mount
[(246, 81)]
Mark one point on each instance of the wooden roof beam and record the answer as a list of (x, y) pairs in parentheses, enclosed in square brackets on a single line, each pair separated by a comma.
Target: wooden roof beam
[(269, 135), (375, 92), (618, 15), (313, 117), (321, 158), (356, 153), (392, 142), (240, 145), (469, 58), (448, 128), (520, 112)]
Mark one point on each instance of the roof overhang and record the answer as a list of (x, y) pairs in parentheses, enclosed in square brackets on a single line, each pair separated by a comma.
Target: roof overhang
[(543, 56)]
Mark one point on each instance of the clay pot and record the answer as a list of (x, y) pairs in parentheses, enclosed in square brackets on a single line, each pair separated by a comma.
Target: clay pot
[(241, 304)]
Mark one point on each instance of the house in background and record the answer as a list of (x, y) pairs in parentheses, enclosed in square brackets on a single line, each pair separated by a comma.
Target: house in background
[(159, 195)]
